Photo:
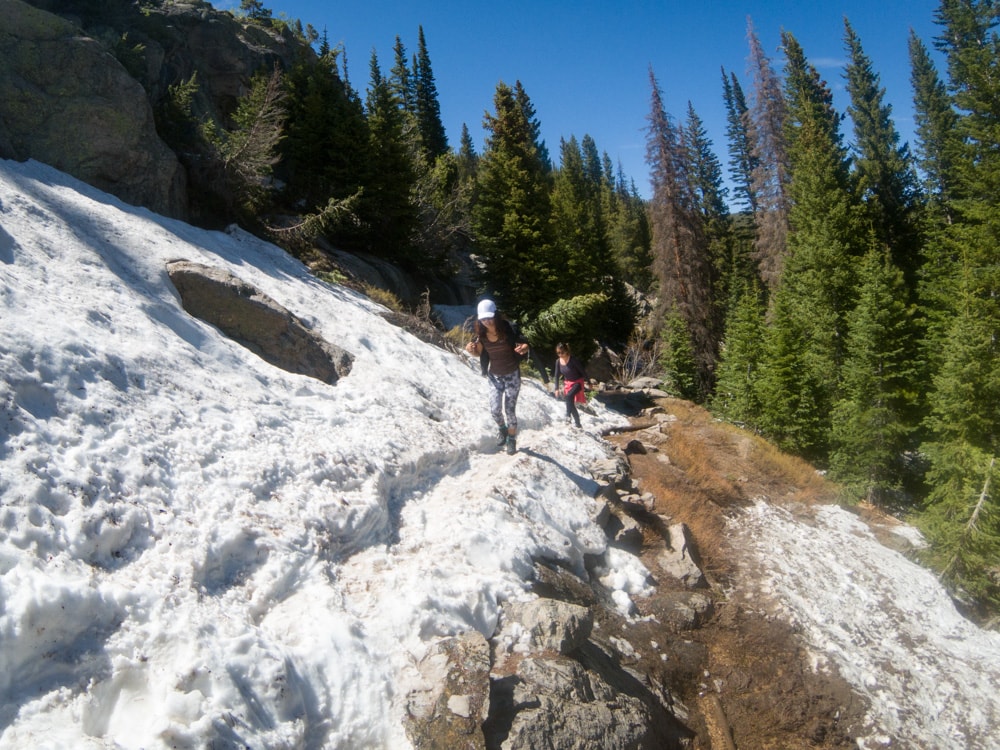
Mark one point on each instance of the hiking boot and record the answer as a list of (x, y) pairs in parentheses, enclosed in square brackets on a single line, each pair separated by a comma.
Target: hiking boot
[(511, 445), (502, 435)]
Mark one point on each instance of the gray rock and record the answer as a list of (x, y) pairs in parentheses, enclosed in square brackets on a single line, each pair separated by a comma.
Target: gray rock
[(681, 610), (624, 531), (558, 703), (254, 320), (543, 625), (644, 382), (68, 103), (676, 560), (448, 710), (611, 472)]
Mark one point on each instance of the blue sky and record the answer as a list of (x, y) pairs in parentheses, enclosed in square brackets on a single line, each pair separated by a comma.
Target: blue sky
[(585, 64)]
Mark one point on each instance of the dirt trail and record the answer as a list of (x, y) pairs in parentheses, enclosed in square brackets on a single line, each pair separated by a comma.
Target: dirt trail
[(743, 676)]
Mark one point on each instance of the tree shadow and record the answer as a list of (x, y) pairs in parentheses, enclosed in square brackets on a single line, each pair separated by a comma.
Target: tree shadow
[(629, 403)]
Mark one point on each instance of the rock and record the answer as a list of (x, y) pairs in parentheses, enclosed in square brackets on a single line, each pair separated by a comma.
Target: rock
[(611, 472), (676, 560), (556, 702), (68, 103), (254, 320), (680, 610), (543, 625), (555, 582), (602, 512), (449, 709), (634, 447), (644, 383), (602, 365), (624, 531)]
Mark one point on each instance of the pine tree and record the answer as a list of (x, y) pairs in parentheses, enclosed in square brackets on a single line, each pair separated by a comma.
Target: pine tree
[(886, 180), (965, 261), (468, 159), (766, 128), (388, 208), (680, 250), (512, 216), (581, 238), (326, 152), (936, 121), (805, 341), (575, 320), (255, 10), (874, 419), (629, 234), (426, 105), (535, 125), (249, 150), (400, 80), (677, 357), (742, 162), (963, 284), (937, 147), (962, 516), (741, 267), (578, 224), (710, 195), (736, 397), (962, 524)]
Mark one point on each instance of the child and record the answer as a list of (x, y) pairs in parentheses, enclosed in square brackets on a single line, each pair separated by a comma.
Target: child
[(574, 377)]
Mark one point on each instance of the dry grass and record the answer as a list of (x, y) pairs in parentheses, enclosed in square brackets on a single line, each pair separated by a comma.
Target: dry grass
[(714, 468), (769, 695)]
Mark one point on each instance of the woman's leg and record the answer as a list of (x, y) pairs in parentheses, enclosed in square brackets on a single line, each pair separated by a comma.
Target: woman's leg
[(496, 401), (571, 411), (511, 385)]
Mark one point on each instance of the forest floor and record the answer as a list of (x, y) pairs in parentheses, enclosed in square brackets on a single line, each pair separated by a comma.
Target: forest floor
[(744, 677)]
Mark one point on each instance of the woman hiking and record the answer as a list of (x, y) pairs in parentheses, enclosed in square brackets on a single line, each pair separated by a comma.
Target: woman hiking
[(500, 349)]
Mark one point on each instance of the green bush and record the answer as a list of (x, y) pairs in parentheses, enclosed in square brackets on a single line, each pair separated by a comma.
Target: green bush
[(577, 321)]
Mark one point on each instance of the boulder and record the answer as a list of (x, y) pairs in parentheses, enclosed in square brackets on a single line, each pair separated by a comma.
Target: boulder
[(449, 708), (676, 559), (680, 610), (67, 102), (556, 702), (255, 321), (543, 625)]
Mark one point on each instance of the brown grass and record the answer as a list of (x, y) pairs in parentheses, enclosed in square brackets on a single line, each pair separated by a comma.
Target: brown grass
[(770, 696), (714, 468)]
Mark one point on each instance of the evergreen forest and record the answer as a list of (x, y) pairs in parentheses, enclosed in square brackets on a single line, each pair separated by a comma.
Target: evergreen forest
[(841, 297)]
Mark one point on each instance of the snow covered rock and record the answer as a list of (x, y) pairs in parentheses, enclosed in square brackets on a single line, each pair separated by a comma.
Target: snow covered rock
[(449, 709), (544, 624)]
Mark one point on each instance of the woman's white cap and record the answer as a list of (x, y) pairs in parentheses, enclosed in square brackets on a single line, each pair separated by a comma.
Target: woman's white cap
[(486, 309)]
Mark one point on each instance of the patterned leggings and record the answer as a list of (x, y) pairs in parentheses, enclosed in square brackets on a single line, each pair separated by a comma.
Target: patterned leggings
[(503, 398)]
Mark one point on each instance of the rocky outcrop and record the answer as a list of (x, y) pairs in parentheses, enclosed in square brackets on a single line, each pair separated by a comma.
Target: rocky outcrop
[(556, 685), (254, 320), (66, 99), (448, 709), (67, 102)]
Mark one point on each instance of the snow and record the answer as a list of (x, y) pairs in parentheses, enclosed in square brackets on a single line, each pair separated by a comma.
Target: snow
[(883, 622), (198, 549)]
